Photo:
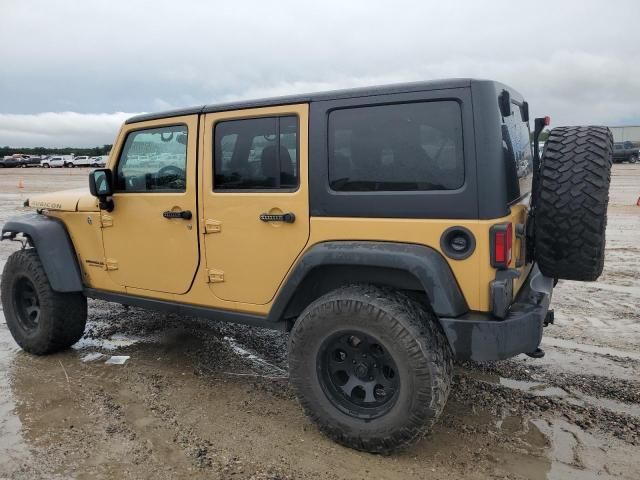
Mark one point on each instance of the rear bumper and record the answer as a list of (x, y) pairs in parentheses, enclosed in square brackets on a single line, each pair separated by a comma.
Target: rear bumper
[(483, 337)]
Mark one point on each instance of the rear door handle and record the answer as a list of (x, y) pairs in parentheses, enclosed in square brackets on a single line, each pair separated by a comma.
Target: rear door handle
[(184, 214), (283, 217)]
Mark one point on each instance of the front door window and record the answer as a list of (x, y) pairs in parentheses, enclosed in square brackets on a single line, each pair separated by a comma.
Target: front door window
[(153, 160)]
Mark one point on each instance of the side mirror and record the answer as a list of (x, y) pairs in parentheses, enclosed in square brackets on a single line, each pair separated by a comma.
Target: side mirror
[(101, 186)]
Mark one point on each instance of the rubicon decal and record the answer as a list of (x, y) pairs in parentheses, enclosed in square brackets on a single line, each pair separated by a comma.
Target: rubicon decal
[(44, 204)]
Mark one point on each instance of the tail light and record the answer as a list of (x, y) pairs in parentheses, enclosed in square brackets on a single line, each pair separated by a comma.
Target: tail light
[(501, 245)]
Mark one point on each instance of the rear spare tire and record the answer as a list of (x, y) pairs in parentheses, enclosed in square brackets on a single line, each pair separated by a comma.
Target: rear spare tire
[(571, 202)]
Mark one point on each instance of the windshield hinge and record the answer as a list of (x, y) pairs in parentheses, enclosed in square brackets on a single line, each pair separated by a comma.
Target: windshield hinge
[(215, 276), (106, 220)]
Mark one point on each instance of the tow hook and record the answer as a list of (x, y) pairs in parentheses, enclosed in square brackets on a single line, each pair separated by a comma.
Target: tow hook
[(537, 353)]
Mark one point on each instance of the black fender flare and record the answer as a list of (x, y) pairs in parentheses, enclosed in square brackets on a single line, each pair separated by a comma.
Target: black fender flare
[(50, 238), (427, 265)]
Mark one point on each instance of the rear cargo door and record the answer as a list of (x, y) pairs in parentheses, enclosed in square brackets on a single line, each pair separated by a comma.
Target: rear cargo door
[(518, 159)]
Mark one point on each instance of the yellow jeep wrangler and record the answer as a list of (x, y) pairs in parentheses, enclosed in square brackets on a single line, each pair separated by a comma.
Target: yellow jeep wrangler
[(389, 230)]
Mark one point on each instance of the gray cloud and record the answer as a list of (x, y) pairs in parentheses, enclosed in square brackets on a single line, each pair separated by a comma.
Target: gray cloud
[(573, 60), (60, 129)]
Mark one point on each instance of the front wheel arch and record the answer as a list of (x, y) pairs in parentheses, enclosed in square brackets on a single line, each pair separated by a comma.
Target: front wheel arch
[(56, 251), (61, 317)]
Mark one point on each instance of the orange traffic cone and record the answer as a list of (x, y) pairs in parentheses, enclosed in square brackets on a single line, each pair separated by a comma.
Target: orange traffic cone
[(20, 183)]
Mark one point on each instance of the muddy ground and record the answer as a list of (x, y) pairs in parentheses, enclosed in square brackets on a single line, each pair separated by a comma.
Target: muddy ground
[(203, 400)]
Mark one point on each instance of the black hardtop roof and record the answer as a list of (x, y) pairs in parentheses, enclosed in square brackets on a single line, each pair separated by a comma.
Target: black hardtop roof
[(314, 97)]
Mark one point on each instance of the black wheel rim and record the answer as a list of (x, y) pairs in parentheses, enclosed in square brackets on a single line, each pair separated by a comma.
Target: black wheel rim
[(26, 303), (358, 374)]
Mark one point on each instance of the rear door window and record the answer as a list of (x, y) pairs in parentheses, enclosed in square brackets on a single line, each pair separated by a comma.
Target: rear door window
[(398, 147), (256, 154)]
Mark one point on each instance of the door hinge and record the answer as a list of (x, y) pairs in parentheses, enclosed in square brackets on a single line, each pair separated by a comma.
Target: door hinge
[(212, 226), (215, 276), (106, 221), (110, 264)]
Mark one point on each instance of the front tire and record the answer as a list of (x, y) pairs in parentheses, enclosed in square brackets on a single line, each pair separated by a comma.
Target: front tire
[(371, 367), (633, 159), (40, 320)]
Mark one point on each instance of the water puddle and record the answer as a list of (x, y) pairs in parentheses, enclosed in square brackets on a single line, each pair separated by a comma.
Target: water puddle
[(269, 369), (633, 291), (567, 360), (578, 455), (572, 396), (606, 351), (13, 450), (114, 342)]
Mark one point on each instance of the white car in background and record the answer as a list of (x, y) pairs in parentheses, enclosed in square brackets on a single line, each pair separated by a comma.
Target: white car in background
[(99, 161), (81, 161), (53, 162)]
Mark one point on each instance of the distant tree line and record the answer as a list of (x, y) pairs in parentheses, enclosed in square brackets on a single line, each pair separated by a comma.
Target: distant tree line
[(93, 151)]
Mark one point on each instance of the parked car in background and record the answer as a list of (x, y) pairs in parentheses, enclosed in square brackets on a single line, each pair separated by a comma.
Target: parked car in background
[(53, 162), (33, 161), (625, 152), (9, 162), (80, 161), (99, 161)]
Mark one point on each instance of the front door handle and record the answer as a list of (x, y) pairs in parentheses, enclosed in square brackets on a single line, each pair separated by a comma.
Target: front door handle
[(184, 214), (283, 217)]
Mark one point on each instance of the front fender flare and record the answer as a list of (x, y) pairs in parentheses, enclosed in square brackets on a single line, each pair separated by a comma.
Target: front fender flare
[(424, 263), (50, 238)]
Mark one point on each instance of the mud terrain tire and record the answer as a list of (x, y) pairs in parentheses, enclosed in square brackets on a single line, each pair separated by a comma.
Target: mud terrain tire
[(405, 332), (571, 203), (40, 320)]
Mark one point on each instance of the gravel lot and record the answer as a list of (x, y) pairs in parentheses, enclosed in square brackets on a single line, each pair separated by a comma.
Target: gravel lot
[(203, 400)]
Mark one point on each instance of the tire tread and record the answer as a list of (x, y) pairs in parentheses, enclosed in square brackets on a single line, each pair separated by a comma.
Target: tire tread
[(64, 313), (571, 203), (413, 326)]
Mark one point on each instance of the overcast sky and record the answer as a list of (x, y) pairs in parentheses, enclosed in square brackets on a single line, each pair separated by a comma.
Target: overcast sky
[(69, 69)]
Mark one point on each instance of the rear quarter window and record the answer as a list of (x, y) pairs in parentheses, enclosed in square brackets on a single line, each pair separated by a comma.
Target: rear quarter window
[(517, 154), (397, 147)]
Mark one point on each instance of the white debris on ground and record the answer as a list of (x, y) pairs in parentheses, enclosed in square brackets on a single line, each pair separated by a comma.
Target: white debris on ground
[(117, 360)]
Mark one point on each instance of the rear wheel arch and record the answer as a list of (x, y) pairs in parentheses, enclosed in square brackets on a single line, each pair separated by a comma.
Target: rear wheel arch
[(416, 269)]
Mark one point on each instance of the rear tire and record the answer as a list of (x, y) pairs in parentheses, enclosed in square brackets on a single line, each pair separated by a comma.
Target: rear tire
[(571, 203), (387, 391), (40, 320)]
